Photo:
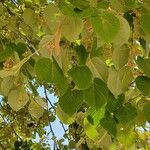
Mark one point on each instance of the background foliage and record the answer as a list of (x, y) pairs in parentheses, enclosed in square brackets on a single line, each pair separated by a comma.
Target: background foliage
[(94, 55)]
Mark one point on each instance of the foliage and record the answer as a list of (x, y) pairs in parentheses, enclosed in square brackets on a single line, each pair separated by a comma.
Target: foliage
[(93, 55)]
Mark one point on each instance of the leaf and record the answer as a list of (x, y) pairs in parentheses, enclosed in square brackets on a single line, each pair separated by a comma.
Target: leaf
[(120, 56), (123, 34), (144, 64), (126, 77), (92, 120), (104, 23), (15, 69), (30, 18), (113, 82), (17, 99), (98, 68), (35, 110), (65, 118), (143, 84), (146, 110), (58, 78), (51, 16), (41, 102), (44, 46), (145, 22), (7, 52), (126, 114), (113, 104), (57, 38), (81, 76), (82, 4), (82, 54), (43, 70), (96, 96), (126, 135), (71, 27), (71, 101), (109, 124), (6, 85), (119, 81)]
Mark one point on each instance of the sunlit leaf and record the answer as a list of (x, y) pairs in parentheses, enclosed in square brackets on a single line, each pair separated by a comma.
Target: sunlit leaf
[(17, 99)]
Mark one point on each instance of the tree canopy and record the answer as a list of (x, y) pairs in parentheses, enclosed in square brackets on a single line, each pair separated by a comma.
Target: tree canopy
[(93, 55)]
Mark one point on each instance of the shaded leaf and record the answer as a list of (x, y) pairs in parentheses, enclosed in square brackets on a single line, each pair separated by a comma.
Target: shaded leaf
[(146, 110), (144, 64), (81, 76), (143, 84), (43, 70), (71, 101), (96, 96)]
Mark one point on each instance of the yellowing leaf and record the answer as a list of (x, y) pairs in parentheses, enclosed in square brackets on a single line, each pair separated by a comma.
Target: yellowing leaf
[(35, 110), (41, 102), (17, 99), (98, 68), (15, 69), (45, 47), (6, 85), (71, 27), (123, 34), (119, 81)]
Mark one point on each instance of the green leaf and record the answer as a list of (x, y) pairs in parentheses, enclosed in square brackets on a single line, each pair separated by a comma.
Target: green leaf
[(65, 118), (113, 104), (92, 120), (126, 77), (82, 54), (29, 18), (43, 70), (109, 124), (145, 22), (144, 64), (104, 23), (120, 56), (98, 68), (96, 96), (81, 76), (17, 99), (82, 4), (71, 27), (126, 114), (143, 84), (58, 78), (66, 8), (7, 52), (71, 101), (119, 81), (146, 110)]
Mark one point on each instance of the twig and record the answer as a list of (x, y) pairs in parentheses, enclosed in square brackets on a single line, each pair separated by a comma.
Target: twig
[(46, 96)]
